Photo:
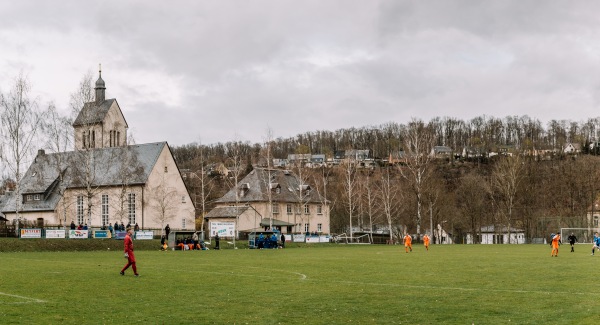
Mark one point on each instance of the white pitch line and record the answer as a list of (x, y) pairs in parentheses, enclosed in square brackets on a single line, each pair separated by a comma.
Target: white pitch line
[(460, 288), (29, 299)]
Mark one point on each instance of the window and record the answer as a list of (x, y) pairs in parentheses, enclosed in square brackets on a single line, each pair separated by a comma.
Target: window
[(319, 227), (166, 169), (595, 221), (319, 209), (275, 208), (131, 206), (306, 209), (83, 139), (29, 197), (183, 223), (183, 199), (278, 190), (104, 209), (298, 208), (80, 209), (306, 227), (37, 197), (289, 208)]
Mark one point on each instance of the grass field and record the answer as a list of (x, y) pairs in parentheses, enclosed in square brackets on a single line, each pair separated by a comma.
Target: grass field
[(328, 284)]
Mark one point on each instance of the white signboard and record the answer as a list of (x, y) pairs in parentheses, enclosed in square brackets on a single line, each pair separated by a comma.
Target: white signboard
[(55, 233), (31, 233), (78, 234), (317, 239), (143, 235), (224, 229)]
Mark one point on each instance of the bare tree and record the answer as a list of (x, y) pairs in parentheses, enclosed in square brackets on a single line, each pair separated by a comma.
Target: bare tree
[(234, 164), (506, 178), (390, 197), (58, 132), (163, 200), (20, 120), (418, 141), (350, 191)]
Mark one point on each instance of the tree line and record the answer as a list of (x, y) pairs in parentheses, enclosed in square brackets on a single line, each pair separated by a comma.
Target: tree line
[(516, 190)]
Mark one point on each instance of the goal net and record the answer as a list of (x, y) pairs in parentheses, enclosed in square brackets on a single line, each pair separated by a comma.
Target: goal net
[(584, 235)]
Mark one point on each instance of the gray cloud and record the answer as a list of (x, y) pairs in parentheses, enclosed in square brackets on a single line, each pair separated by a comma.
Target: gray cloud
[(215, 71)]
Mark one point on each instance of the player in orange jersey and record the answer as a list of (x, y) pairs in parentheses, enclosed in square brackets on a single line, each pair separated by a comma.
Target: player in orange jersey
[(555, 243), (407, 243), (426, 241)]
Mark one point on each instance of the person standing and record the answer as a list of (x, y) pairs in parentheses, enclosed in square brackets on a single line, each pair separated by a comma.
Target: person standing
[(555, 244), (128, 250), (282, 240), (596, 242), (426, 241), (167, 231), (572, 241), (217, 241), (407, 243)]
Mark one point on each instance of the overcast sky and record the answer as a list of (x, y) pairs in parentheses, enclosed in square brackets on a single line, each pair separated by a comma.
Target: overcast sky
[(216, 71)]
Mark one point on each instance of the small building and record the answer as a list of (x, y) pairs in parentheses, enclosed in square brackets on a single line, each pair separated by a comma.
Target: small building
[(497, 235)]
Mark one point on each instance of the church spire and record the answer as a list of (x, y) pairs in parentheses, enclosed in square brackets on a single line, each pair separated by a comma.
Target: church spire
[(100, 87)]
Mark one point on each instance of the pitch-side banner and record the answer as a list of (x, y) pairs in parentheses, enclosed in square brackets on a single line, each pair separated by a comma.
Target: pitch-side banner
[(31, 233), (224, 229), (55, 233), (144, 235), (78, 234)]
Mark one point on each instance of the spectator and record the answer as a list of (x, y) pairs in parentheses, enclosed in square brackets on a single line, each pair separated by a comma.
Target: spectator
[(195, 240), (136, 227), (80, 227), (217, 241), (282, 240), (110, 228), (73, 227), (85, 227), (116, 226), (122, 226), (167, 231)]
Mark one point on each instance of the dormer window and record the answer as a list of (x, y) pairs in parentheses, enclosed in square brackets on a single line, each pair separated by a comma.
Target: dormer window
[(37, 197)]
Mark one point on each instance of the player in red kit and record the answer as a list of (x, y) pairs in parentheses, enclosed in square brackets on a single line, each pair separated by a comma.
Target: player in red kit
[(128, 243)]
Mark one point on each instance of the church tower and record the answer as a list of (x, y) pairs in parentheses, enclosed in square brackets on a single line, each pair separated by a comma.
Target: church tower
[(100, 124)]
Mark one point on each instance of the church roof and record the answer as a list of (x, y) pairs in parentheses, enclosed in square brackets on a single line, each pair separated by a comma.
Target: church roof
[(93, 113), (116, 166)]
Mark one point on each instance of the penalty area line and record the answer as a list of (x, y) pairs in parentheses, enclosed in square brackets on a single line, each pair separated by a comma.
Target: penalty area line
[(28, 299)]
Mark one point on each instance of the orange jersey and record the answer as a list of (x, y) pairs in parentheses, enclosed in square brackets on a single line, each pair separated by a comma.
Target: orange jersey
[(426, 240), (555, 241), (407, 240)]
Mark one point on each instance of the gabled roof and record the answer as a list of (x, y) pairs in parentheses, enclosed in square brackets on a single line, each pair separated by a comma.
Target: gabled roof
[(92, 113), (226, 212), (111, 167), (259, 183)]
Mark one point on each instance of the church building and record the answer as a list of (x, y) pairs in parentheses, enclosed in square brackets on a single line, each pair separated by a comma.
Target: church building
[(104, 180)]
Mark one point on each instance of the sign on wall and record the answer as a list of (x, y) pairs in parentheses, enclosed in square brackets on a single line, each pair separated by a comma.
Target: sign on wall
[(224, 229)]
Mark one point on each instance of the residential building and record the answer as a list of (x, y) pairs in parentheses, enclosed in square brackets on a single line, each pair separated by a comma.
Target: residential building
[(273, 198)]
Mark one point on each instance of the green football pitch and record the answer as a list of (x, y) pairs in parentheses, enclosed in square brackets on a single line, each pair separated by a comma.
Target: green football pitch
[(325, 284)]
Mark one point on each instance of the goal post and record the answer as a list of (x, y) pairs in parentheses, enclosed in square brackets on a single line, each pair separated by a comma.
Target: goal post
[(584, 235)]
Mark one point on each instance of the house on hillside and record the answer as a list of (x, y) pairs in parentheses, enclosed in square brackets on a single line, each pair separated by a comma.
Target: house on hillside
[(440, 152), (497, 235), (572, 148), (104, 180), (272, 198)]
